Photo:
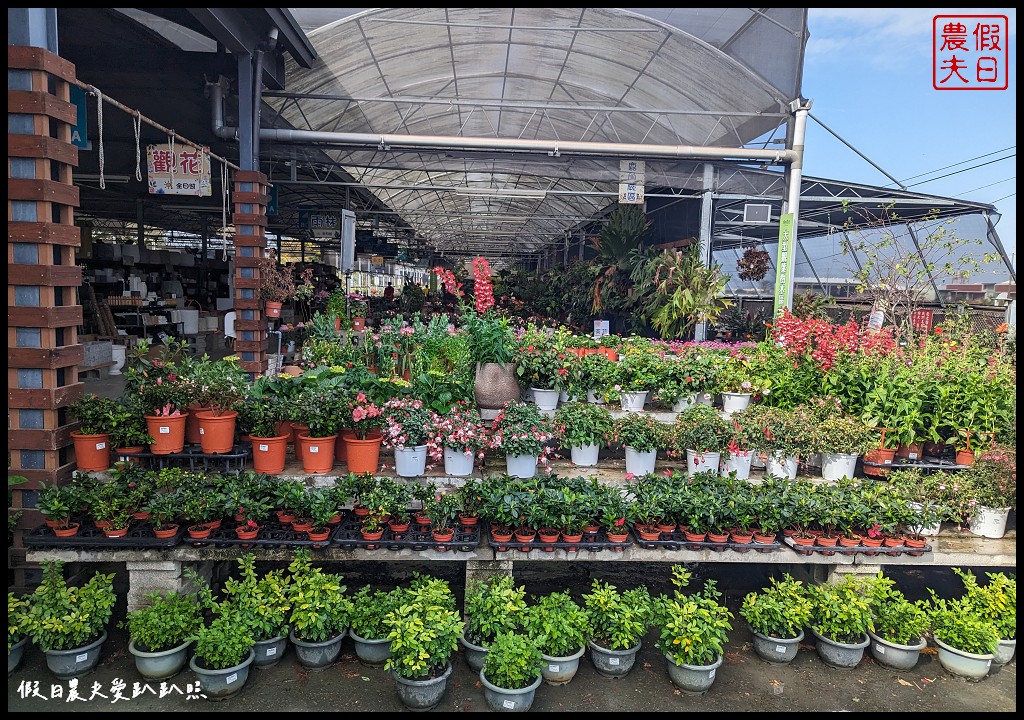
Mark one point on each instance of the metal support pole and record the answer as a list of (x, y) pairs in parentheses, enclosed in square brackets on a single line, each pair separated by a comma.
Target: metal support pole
[(800, 107), (707, 208)]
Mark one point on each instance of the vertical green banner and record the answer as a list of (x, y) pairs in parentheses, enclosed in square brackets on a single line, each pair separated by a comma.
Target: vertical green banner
[(784, 264)]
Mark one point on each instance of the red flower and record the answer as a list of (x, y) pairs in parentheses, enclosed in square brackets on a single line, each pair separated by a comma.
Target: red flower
[(620, 522)]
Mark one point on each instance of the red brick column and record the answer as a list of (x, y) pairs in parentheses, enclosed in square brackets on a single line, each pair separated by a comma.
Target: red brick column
[(43, 311), (249, 215)]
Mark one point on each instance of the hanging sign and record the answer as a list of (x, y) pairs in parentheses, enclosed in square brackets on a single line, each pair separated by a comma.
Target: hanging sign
[(632, 174), (178, 169), (784, 264), (80, 130), (601, 328), (323, 224)]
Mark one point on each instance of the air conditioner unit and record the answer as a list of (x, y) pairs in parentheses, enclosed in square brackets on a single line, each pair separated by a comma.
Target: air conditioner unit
[(754, 213)]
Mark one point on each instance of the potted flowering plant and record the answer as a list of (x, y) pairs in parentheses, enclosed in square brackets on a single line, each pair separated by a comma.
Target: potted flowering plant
[(642, 436), (406, 427), (523, 434), (683, 376), (593, 378), (841, 439), (461, 436), (161, 387), (362, 434), (638, 372)]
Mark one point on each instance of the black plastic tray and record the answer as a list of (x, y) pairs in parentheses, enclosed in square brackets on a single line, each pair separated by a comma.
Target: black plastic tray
[(858, 550), (272, 534), (589, 543), (140, 536), (193, 458), (677, 541), (348, 535)]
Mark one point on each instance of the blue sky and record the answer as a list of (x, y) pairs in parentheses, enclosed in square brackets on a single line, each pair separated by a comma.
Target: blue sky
[(869, 75)]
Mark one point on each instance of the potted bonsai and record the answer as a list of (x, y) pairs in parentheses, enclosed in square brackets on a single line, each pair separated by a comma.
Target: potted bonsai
[(693, 631), (367, 626), (161, 633), (777, 616), (511, 673), (583, 427), (420, 662), (68, 623), (840, 620), (493, 606), (559, 627), (619, 621), (319, 612), (898, 626), (277, 284)]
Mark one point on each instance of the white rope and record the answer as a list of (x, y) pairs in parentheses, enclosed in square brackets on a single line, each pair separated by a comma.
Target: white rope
[(99, 127), (137, 126)]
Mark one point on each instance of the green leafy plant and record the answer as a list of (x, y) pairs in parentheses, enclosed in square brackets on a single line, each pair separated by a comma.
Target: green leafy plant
[(493, 606), (693, 628), (423, 629), (95, 414), (842, 610), (264, 602), (640, 431), (957, 623), (61, 617), (996, 600), (225, 642), (844, 434), (702, 429), (557, 624), (512, 662), (57, 502), (619, 619), (579, 424), (319, 608), (219, 385), (17, 619), (895, 618), (781, 610), (370, 608), (520, 429), (166, 622)]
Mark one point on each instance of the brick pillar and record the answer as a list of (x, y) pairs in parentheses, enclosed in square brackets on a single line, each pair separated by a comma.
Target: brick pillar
[(249, 202), (43, 311)]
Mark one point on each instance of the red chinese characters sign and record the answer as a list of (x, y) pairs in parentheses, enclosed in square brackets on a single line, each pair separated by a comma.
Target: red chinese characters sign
[(178, 169), (970, 52), (921, 320)]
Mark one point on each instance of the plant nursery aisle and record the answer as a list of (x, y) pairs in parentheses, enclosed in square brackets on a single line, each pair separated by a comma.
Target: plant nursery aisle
[(744, 683)]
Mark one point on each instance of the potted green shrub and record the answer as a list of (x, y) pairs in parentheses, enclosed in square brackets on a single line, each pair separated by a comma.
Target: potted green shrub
[(559, 627), (161, 633), (898, 626), (701, 435), (56, 503), (583, 427), (265, 604), (997, 601), (523, 434), (840, 620), (68, 623), (129, 434), (420, 661), (223, 654), (693, 631), (841, 439), (777, 616), (966, 640), (370, 608), (619, 621), (17, 630), (95, 415), (319, 612), (493, 606), (641, 435), (511, 673)]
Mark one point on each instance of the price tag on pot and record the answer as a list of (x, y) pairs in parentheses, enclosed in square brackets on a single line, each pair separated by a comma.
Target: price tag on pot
[(711, 675), (101, 446), (554, 668), (314, 449), (81, 658), (264, 448), (202, 431), (780, 648), (508, 704), (613, 661), (231, 678), (271, 651), (165, 430), (880, 649)]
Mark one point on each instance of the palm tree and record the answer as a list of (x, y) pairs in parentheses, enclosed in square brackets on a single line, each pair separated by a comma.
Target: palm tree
[(626, 225)]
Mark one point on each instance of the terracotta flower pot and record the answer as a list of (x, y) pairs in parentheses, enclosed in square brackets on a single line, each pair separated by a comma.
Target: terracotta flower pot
[(165, 533), (272, 309), (269, 454), (116, 532), (92, 452), (69, 530), (319, 536), (217, 432), (124, 454), (245, 532), (192, 435), (298, 429), (317, 454), (168, 433), (199, 532), (363, 455), (340, 449)]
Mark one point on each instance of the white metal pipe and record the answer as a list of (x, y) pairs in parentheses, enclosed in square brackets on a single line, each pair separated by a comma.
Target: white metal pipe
[(801, 108)]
